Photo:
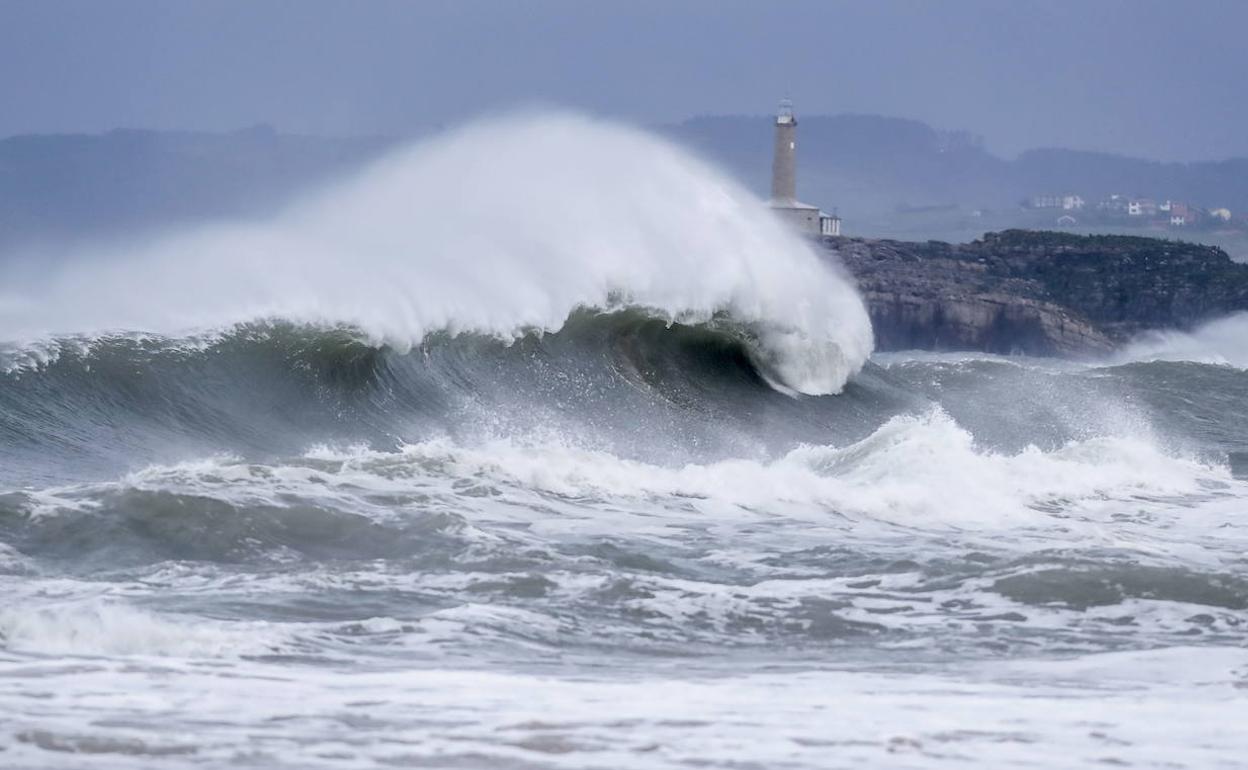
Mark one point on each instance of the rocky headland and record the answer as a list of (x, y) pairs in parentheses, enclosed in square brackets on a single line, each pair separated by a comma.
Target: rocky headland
[(1039, 293)]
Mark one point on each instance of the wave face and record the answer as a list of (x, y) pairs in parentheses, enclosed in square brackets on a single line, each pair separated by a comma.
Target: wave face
[(574, 490)]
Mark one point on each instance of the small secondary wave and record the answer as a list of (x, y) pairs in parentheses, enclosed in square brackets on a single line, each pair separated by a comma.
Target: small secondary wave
[(103, 627), (1222, 342)]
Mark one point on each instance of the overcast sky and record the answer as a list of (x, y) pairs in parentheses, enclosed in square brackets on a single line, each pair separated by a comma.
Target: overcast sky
[(1160, 78)]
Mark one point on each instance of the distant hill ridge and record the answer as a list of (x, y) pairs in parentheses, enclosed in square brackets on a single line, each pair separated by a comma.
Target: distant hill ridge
[(79, 186), (867, 164)]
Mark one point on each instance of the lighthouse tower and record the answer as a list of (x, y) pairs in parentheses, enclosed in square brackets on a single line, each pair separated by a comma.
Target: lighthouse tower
[(784, 158), (808, 220)]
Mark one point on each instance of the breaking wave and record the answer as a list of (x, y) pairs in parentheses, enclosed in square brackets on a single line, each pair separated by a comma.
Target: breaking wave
[(501, 229), (101, 627), (919, 473), (1222, 342)]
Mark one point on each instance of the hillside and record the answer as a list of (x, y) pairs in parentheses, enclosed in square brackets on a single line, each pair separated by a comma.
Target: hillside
[(889, 175)]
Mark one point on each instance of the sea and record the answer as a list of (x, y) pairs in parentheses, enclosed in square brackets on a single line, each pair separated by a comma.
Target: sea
[(541, 444)]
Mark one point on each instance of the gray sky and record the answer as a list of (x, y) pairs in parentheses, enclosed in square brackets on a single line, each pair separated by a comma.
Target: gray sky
[(1159, 78)]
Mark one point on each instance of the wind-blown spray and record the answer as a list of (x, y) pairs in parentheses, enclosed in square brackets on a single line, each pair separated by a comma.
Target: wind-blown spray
[(1224, 341)]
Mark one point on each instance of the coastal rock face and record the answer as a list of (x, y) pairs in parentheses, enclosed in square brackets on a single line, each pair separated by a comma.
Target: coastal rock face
[(1038, 293)]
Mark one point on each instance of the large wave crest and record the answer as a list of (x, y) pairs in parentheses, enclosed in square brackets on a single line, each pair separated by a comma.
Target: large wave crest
[(501, 228)]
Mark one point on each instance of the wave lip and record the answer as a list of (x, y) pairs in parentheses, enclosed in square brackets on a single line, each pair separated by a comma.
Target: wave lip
[(502, 228), (97, 627)]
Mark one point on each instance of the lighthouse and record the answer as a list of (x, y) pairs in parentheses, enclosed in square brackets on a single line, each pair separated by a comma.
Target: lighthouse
[(784, 156), (807, 219)]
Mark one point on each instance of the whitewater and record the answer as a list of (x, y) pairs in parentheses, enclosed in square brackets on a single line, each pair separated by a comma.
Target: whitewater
[(541, 444)]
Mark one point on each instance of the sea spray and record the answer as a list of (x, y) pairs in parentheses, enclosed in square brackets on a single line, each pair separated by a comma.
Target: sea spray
[(1223, 342)]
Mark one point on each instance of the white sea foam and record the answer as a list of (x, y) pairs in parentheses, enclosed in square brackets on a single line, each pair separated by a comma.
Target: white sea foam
[(447, 676), (498, 228), (920, 471), (1060, 713), (100, 626)]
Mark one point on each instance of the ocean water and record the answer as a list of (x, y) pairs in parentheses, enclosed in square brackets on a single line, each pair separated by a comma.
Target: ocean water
[(609, 478)]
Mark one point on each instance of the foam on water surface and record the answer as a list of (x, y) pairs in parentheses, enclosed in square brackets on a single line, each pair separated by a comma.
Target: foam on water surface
[(1086, 711)]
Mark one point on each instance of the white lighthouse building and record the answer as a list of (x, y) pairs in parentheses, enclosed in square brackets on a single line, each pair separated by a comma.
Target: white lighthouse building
[(808, 219)]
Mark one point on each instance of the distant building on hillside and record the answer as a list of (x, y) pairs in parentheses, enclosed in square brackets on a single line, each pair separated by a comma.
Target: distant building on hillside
[(1181, 214), (1114, 204), (808, 219), (1069, 202), (1145, 212)]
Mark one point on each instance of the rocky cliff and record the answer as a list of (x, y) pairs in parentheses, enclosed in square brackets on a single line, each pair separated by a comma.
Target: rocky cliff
[(1040, 293)]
